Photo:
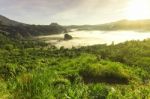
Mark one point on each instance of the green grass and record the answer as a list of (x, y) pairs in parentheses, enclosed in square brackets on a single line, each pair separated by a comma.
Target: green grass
[(96, 72), (106, 71)]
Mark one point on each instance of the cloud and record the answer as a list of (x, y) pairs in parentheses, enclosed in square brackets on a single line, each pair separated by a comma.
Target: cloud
[(62, 11), (91, 12)]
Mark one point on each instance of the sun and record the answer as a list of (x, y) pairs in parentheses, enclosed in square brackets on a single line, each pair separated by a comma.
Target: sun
[(138, 9)]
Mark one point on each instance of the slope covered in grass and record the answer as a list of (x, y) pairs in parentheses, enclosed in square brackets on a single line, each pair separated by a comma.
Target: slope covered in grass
[(96, 72)]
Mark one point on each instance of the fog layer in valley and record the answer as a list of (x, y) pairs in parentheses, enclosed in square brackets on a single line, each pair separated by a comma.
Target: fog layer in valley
[(85, 38)]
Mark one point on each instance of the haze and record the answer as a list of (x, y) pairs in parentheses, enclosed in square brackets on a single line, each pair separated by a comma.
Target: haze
[(74, 12)]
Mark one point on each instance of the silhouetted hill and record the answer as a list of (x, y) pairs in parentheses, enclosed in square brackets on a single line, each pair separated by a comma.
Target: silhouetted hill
[(20, 30), (6, 21)]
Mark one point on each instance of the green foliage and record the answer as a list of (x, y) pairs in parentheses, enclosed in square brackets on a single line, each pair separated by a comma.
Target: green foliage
[(4, 92), (106, 71), (31, 70), (24, 31), (33, 86), (98, 91), (132, 53)]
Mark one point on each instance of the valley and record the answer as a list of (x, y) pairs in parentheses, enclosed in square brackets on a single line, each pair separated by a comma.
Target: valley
[(36, 62)]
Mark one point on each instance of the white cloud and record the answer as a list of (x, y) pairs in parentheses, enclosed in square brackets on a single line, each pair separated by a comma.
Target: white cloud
[(64, 11)]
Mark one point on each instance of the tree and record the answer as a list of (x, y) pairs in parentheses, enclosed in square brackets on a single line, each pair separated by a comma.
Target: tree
[(67, 37)]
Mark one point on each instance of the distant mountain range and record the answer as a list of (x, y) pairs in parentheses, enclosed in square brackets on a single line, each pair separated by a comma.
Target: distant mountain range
[(137, 25), (21, 30)]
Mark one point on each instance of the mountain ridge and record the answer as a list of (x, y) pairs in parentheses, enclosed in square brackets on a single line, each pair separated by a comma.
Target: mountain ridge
[(14, 28), (6, 21), (21, 30), (143, 25)]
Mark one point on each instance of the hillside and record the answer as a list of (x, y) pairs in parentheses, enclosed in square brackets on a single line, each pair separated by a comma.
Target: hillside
[(138, 25), (21, 30), (31, 70), (6, 21)]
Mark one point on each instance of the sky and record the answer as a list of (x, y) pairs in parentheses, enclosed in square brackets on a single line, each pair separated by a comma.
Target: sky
[(69, 12)]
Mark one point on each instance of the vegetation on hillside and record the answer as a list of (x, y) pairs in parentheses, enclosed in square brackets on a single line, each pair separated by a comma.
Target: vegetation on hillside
[(23, 31), (31, 70), (20, 30)]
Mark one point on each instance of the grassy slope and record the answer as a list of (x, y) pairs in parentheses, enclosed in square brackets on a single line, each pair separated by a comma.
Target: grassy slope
[(97, 72)]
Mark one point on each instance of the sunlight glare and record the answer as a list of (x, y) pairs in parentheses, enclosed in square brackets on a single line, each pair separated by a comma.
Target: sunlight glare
[(138, 9)]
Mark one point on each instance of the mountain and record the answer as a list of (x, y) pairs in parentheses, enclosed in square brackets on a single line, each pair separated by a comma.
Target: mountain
[(138, 25), (21, 30), (141, 25), (6, 21)]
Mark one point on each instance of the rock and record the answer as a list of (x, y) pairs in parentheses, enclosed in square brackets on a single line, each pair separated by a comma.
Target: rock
[(67, 37)]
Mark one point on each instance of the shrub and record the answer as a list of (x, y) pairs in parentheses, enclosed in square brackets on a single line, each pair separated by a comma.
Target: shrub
[(105, 71)]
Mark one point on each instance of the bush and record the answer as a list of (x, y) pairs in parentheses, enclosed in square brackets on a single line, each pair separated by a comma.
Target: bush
[(105, 71)]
